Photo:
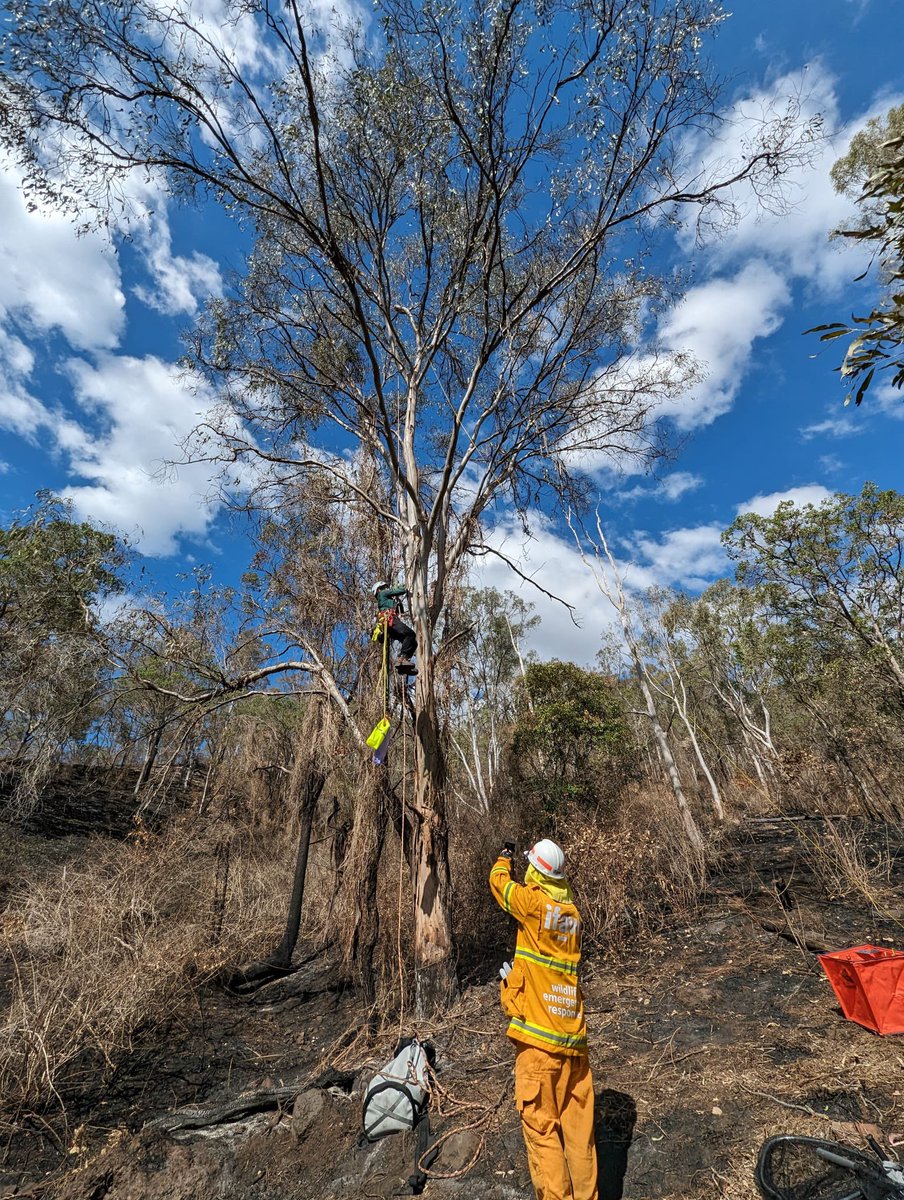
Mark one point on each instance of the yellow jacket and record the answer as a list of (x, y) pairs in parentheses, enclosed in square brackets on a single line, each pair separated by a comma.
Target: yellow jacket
[(542, 994)]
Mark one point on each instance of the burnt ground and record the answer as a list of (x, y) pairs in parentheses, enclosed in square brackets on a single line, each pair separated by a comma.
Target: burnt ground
[(706, 1038)]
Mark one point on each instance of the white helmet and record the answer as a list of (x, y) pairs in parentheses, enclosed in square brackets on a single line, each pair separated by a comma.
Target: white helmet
[(378, 587), (546, 857)]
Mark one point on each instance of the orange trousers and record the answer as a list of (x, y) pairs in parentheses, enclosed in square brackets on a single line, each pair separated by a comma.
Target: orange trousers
[(554, 1094)]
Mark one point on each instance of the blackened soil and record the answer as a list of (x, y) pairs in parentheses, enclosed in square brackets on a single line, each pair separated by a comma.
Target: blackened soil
[(706, 1038)]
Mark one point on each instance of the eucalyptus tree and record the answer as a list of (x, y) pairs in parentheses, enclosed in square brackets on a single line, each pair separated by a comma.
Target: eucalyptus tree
[(834, 572), (665, 654), (571, 743), (451, 206), (729, 629), (55, 575), (600, 561), (486, 634)]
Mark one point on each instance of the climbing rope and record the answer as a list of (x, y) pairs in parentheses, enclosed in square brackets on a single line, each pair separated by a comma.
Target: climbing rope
[(401, 961), (384, 670), (481, 1123)]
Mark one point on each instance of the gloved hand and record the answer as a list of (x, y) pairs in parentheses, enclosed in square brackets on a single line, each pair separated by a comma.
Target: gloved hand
[(508, 850)]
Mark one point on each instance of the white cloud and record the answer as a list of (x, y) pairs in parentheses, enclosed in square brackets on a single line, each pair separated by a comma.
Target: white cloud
[(887, 399), (135, 412), (143, 409), (793, 232), (768, 251), (842, 426), (689, 558), (676, 485), (718, 322), (52, 279), (20, 412), (684, 558), (180, 282), (759, 261), (240, 38), (765, 505), (831, 463), (669, 489), (556, 565)]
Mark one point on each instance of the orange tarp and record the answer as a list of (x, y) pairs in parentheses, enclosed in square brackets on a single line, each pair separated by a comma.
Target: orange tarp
[(869, 984)]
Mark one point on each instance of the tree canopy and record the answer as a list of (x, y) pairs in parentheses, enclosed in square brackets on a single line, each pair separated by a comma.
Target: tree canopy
[(836, 568), (55, 573)]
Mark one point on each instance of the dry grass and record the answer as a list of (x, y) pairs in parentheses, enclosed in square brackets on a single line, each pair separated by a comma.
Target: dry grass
[(121, 940), (629, 871), (847, 866)]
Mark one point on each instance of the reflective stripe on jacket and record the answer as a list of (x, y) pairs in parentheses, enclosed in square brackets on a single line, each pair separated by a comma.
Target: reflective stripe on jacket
[(541, 994)]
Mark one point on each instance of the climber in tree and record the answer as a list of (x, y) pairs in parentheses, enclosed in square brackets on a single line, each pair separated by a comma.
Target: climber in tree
[(389, 607)]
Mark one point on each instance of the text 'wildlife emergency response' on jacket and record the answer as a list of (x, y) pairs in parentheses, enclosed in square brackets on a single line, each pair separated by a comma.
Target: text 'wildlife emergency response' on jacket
[(541, 993)]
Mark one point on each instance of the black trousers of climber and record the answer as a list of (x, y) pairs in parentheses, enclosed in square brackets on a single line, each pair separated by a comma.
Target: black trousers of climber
[(405, 636)]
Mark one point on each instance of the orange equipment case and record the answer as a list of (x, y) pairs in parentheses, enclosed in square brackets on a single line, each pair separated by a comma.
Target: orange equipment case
[(869, 984)]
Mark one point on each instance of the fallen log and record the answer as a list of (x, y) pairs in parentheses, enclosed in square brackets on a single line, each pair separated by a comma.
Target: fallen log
[(196, 1117), (805, 940)]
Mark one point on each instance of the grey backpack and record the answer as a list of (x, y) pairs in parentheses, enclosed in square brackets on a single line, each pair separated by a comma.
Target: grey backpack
[(396, 1097)]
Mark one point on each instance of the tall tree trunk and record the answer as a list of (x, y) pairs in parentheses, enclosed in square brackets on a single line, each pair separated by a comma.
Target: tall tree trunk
[(716, 795), (619, 601), (662, 745), (365, 848), (755, 759), (150, 757), (434, 961), (307, 786)]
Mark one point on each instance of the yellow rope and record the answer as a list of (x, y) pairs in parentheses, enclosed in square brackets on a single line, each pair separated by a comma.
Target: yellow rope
[(383, 672)]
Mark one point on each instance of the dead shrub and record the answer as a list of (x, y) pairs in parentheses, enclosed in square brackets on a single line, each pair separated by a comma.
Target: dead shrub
[(846, 864), (122, 939), (630, 866), (629, 870)]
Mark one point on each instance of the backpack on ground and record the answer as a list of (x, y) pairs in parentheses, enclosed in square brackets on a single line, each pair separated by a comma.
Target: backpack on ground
[(396, 1097), (396, 1100)]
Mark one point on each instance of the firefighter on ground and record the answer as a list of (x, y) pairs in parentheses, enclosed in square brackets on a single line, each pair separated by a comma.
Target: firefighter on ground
[(542, 997), (389, 607)]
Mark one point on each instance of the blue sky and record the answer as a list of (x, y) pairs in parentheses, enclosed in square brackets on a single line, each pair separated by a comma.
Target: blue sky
[(91, 404)]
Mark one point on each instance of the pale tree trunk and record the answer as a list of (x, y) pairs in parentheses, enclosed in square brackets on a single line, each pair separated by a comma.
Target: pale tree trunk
[(616, 596), (676, 695), (480, 777), (435, 981), (716, 795), (523, 669), (754, 735), (662, 745), (478, 765), (755, 758)]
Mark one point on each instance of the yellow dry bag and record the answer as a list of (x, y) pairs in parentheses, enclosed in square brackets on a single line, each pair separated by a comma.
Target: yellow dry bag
[(380, 731)]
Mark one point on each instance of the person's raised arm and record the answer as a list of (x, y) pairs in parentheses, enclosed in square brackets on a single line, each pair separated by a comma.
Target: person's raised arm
[(517, 900)]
